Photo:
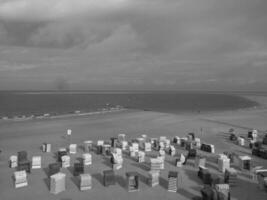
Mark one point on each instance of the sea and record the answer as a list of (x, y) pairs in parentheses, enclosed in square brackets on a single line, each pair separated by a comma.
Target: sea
[(24, 104)]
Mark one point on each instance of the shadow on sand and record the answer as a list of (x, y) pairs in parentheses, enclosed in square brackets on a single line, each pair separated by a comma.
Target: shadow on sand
[(71, 170), (76, 181), (121, 181), (185, 193), (98, 177), (163, 183), (47, 183), (107, 162), (144, 166)]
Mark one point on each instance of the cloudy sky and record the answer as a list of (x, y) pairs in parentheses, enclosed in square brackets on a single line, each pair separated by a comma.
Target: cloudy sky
[(133, 44)]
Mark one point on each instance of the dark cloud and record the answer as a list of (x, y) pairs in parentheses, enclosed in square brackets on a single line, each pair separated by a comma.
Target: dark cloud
[(174, 42)]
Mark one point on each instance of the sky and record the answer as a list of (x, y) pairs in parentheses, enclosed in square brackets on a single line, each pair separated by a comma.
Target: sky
[(133, 44)]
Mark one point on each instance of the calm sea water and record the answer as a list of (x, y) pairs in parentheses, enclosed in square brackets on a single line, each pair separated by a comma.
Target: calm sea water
[(56, 103)]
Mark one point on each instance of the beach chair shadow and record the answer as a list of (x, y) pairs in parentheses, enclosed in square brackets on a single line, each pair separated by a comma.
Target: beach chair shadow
[(107, 162), (244, 152), (144, 166), (55, 156), (171, 162), (192, 175), (71, 170), (211, 166), (190, 162), (151, 154), (47, 183), (185, 193), (244, 174), (125, 154), (163, 183), (81, 147), (79, 159), (143, 178), (46, 171), (134, 159), (211, 158), (197, 188), (98, 177), (76, 181), (197, 198), (121, 181), (94, 149)]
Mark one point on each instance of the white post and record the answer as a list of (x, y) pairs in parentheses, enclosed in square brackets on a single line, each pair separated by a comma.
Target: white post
[(69, 136)]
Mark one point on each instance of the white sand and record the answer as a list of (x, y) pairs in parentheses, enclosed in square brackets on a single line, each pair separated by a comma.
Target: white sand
[(29, 136)]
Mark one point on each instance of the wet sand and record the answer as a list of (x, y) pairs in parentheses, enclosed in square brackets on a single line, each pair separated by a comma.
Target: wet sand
[(210, 127)]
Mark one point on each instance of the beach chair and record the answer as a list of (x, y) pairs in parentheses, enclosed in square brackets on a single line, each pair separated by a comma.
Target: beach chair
[(156, 164), (183, 141), (65, 161), (87, 159), (20, 179), (73, 148), (141, 156), (108, 178), (124, 145), (135, 147), (88, 145), (200, 161), (78, 169), (262, 179), (216, 179), (36, 162), (61, 152), (230, 177), (223, 164), (233, 137), (172, 150), (197, 143), (22, 156), (106, 148), (85, 182), (241, 141), (114, 142), (180, 161), (172, 181), (13, 161), (147, 146), (192, 153), (223, 191), (264, 140), (191, 136), (116, 159), (153, 178), (46, 147), (162, 153), (121, 137), (23, 162), (54, 168), (208, 193), (244, 162), (57, 183), (177, 140), (132, 181)]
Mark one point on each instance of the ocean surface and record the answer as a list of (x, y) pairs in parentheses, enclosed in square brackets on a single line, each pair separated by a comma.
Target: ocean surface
[(18, 104)]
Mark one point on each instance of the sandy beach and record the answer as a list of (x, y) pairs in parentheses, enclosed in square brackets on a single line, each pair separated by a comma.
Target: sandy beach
[(210, 127)]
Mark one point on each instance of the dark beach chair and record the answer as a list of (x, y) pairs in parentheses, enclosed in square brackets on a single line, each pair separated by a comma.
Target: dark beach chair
[(108, 178)]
